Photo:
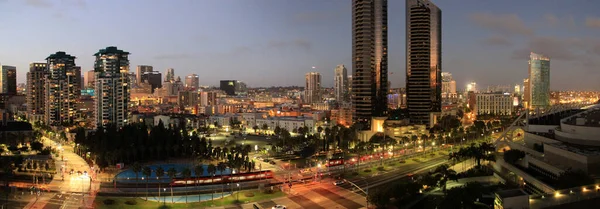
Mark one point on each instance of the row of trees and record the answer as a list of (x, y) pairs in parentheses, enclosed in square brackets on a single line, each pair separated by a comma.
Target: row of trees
[(478, 152), (139, 143)]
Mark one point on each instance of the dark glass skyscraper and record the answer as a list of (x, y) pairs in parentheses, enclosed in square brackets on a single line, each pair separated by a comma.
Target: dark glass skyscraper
[(423, 60), (539, 81), (369, 60)]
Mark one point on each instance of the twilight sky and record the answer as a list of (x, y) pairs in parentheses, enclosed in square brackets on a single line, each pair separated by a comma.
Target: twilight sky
[(275, 42)]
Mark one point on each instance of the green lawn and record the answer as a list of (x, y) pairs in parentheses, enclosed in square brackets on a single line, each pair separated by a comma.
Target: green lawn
[(141, 204)]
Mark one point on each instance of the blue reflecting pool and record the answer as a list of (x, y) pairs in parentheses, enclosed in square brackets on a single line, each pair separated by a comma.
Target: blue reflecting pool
[(128, 176)]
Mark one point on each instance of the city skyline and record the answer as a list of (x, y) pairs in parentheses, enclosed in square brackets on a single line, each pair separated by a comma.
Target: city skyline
[(311, 33)]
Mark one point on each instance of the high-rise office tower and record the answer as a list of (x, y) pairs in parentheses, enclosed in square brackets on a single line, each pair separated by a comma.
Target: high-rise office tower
[(369, 60), (89, 79), (112, 87), (539, 81), (62, 89), (170, 75), (517, 90), (192, 81), (140, 70), (448, 88), (526, 93), (153, 78), (36, 95), (8, 79), (423, 60), (340, 83), (312, 90)]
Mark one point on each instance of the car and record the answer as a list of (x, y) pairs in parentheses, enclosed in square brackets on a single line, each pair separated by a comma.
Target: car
[(279, 207), (340, 182), (272, 162)]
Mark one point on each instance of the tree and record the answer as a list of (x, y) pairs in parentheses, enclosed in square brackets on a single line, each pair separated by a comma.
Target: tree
[(255, 127), (443, 174), (448, 122), (212, 169), (136, 168), (37, 146), (265, 127), (171, 173), (146, 171), (187, 174), (198, 172), (160, 172), (277, 130)]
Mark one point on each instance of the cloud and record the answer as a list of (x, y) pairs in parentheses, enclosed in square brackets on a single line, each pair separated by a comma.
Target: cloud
[(39, 3), (497, 41), (505, 24), (580, 51), (298, 43), (553, 47), (592, 22), (173, 56)]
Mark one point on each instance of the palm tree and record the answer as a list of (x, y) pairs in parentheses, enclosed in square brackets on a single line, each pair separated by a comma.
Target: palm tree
[(136, 168), (198, 171), (171, 173), (146, 171), (211, 169), (187, 174), (160, 172), (443, 174)]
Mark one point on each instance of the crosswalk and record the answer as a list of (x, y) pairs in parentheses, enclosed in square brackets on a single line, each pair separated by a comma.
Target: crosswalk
[(317, 196)]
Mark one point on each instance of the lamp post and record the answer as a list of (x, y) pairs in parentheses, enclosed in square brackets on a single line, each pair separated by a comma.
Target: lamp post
[(318, 171), (366, 192), (238, 194)]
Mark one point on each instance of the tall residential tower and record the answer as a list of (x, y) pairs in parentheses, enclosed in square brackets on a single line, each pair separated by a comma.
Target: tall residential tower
[(312, 90), (369, 60), (36, 96), (340, 83), (62, 89), (423, 60), (111, 87)]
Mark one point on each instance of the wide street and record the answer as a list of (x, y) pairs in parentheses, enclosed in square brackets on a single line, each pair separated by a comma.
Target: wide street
[(317, 195), (67, 190)]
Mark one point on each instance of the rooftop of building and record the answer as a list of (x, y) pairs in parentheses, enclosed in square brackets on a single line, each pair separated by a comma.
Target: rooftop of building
[(111, 50), (578, 149), (511, 193), (554, 117), (591, 118), (60, 55), (585, 150)]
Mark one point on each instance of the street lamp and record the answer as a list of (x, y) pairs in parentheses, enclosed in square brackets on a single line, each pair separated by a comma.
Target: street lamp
[(238, 194)]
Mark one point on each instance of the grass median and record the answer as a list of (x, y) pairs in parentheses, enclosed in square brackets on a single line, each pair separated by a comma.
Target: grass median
[(244, 197)]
